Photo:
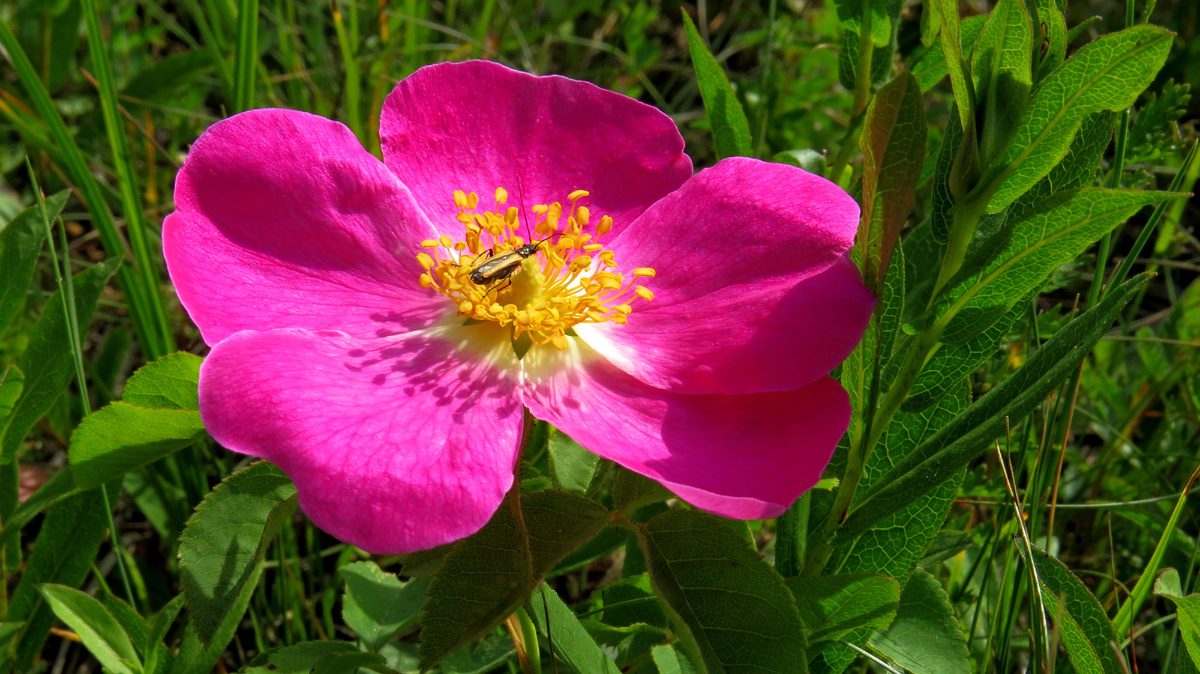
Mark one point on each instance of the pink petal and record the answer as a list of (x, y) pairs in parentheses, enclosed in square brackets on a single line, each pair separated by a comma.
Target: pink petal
[(753, 290), (740, 456), (476, 126), (283, 220), (394, 445)]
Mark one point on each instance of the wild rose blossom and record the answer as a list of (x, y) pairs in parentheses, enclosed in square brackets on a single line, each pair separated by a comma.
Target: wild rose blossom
[(680, 325)]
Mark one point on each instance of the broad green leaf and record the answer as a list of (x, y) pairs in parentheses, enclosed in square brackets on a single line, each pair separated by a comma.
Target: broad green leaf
[(736, 607), (951, 38), (222, 547), (893, 546), (632, 600), (155, 656), (298, 658), (929, 67), (1077, 168), (99, 631), (63, 553), (346, 663), (731, 130), (154, 647), (571, 466), (948, 364), (20, 243), (1187, 612), (46, 362), (946, 544), (121, 437), (1079, 618), (808, 159), (893, 146), (941, 215), (526, 537), (1107, 74), (1050, 29), (925, 638), (573, 646), (632, 490), (834, 607), (1019, 259), (169, 383), (626, 645), (483, 658), (1000, 63), (922, 252), (669, 660), (377, 605), (960, 441), (157, 417), (11, 383)]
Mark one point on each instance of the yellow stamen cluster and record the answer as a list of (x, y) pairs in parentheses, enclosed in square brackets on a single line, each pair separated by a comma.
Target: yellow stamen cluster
[(570, 279)]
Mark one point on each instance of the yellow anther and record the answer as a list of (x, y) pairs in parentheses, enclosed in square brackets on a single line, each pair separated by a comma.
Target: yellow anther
[(643, 293), (582, 215), (612, 284), (446, 241), (623, 308), (465, 306), (501, 195), (460, 198), (620, 319), (510, 216), (592, 247), (581, 262), (460, 246), (605, 225), (472, 200), (425, 280), (577, 194), (643, 271), (425, 260), (463, 217), (559, 341), (541, 209), (430, 243)]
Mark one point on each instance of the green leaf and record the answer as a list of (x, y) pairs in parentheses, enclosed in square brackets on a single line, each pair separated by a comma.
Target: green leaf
[(925, 638), (169, 383), (20, 244), (626, 645), (929, 67), (948, 364), (484, 658), (731, 130), (735, 606), (1187, 612), (941, 215), (47, 362), (1051, 28), (11, 383), (834, 607), (1019, 259), (946, 544), (1107, 74), (893, 146), (346, 663), (951, 37), (526, 537), (121, 437), (972, 432), (63, 553), (1000, 69), (632, 600), (573, 646), (669, 660), (1080, 619), (571, 466), (99, 631), (1077, 168), (298, 658), (222, 547), (377, 605)]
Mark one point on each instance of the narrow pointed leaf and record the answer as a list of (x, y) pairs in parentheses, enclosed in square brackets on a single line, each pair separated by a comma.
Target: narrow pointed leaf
[(20, 243), (573, 646), (99, 631), (1078, 616), (731, 130)]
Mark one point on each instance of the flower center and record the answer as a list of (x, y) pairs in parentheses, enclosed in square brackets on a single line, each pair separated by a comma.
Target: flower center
[(542, 287)]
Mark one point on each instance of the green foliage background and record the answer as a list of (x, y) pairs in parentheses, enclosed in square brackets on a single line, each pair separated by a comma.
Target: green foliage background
[(1012, 493)]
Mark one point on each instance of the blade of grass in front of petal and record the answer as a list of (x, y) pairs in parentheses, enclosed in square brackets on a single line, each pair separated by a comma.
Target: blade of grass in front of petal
[(730, 128), (347, 37), (136, 227)]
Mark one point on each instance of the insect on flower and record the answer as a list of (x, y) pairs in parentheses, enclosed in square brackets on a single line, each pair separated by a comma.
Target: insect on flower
[(501, 267)]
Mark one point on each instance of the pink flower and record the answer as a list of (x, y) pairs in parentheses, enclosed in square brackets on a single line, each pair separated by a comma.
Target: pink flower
[(681, 325)]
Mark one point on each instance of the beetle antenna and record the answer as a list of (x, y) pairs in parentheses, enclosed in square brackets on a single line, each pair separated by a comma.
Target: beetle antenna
[(524, 216)]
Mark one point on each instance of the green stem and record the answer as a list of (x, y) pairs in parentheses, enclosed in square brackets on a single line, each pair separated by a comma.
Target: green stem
[(529, 634)]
